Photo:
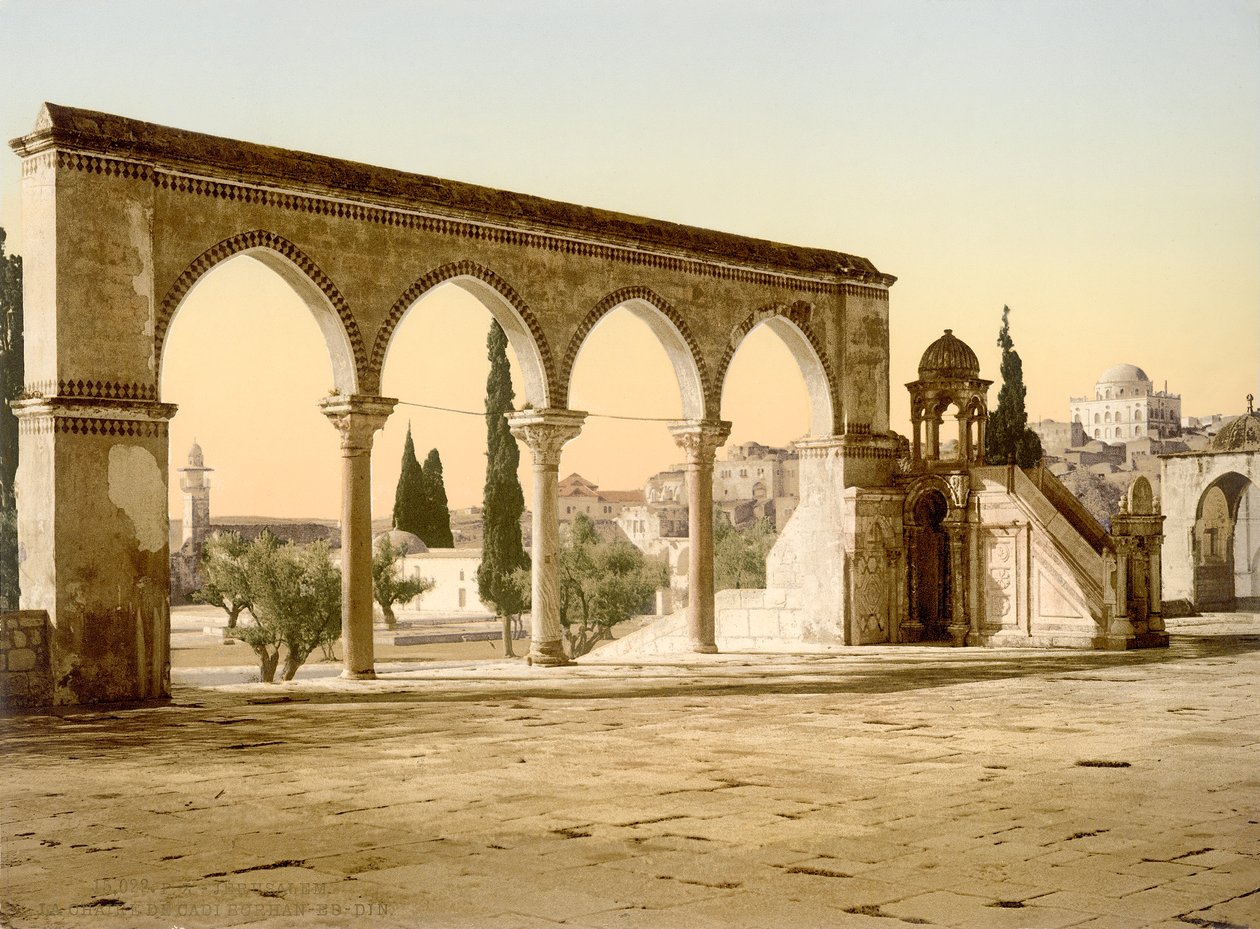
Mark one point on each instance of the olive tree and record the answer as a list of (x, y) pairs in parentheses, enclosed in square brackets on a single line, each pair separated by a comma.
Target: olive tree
[(295, 598), (601, 583), (389, 585), (224, 583)]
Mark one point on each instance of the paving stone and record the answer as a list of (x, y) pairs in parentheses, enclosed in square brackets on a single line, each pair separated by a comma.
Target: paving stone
[(737, 807)]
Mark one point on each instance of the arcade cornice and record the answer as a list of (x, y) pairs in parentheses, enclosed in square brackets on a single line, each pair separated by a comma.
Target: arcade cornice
[(213, 166)]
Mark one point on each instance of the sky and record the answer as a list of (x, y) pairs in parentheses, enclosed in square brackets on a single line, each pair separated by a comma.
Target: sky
[(1093, 165)]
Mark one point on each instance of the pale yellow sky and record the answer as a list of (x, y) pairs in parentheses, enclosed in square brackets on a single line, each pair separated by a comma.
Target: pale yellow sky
[(1095, 165)]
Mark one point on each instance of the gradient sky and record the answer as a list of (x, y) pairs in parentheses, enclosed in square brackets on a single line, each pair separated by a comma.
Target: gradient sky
[(1095, 165)]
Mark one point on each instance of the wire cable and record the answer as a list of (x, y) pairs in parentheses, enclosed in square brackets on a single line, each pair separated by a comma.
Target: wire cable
[(637, 419)]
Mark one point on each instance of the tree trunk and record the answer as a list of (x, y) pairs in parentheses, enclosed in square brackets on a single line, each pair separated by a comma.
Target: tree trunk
[(267, 662), (507, 636), (232, 614), (388, 610), (291, 664)]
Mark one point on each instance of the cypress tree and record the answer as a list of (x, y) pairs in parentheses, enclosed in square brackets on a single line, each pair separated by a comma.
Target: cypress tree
[(503, 503), (1007, 433), (12, 376), (436, 519), (408, 502)]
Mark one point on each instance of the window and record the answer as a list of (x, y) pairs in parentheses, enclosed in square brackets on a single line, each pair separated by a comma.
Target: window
[(463, 596), (461, 575), (1096, 433), (1097, 420)]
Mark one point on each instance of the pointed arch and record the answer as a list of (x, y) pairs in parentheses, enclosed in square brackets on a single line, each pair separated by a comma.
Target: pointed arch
[(694, 385), (327, 305), (791, 323), (503, 302)]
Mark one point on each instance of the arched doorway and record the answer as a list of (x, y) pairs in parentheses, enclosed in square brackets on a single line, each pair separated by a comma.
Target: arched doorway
[(929, 567), (1226, 543)]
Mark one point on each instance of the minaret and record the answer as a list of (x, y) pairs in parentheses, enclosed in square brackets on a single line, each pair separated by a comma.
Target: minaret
[(196, 490)]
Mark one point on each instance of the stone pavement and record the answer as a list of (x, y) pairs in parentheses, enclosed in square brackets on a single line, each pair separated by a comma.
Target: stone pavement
[(878, 788)]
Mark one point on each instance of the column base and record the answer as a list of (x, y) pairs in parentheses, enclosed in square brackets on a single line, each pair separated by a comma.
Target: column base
[(348, 675), (910, 631), (958, 635), (548, 654), (703, 649)]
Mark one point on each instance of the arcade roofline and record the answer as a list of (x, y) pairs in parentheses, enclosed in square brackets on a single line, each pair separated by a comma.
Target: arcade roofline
[(70, 129)]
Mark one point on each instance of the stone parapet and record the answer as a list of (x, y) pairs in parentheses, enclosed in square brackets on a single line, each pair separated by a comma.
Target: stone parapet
[(25, 668)]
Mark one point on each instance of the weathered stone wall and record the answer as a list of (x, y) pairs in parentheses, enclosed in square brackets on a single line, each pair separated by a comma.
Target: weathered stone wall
[(25, 674)]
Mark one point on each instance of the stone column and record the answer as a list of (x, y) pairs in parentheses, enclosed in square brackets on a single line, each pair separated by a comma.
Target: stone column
[(700, 439), (933, 436), (959, 624), (357, 417), (964, 437), (1155, 616), (981, 422), (911, 629), (917, 440), (546, 432)]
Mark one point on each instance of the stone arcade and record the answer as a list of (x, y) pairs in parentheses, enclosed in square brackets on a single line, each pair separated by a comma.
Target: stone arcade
[(122, 218)]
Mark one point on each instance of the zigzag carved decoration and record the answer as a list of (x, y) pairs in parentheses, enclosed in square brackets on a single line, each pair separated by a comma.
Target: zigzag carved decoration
[(799, 314), (243, 242), (607, 305), (440, 275)]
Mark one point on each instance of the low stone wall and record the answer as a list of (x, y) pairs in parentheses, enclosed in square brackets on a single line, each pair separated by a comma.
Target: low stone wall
[(25, 670)]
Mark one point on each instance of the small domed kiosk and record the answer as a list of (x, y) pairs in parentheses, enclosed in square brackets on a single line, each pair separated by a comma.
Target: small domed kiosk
[(949, 377)]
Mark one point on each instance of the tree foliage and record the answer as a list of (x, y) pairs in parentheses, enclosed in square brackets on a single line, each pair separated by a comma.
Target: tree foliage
[(502, 552), (389, 584), (1007, 433), (601, 583), (435, 519), (1095, 493), (408, 494), (295, 598), (12, 377), (223, 571), (739, 555)]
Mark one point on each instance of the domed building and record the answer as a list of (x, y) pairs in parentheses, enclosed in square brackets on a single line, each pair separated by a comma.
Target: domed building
[(949, 380), (1211, 499), (1126, 406)]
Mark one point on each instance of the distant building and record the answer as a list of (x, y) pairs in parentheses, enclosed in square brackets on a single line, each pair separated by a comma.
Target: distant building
[(575, 494), (1056, 436), (453, 571), (753, 482), (1127, 406)]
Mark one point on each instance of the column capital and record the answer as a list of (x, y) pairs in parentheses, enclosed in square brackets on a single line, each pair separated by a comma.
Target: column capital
[(546, 432), (357, 417), (700, 438)]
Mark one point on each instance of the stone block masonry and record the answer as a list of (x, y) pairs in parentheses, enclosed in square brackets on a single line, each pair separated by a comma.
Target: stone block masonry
[(25, 673)]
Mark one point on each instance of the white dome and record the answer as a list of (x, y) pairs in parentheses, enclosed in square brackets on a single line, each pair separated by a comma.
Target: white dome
[(1123, 374), (407, 541)]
